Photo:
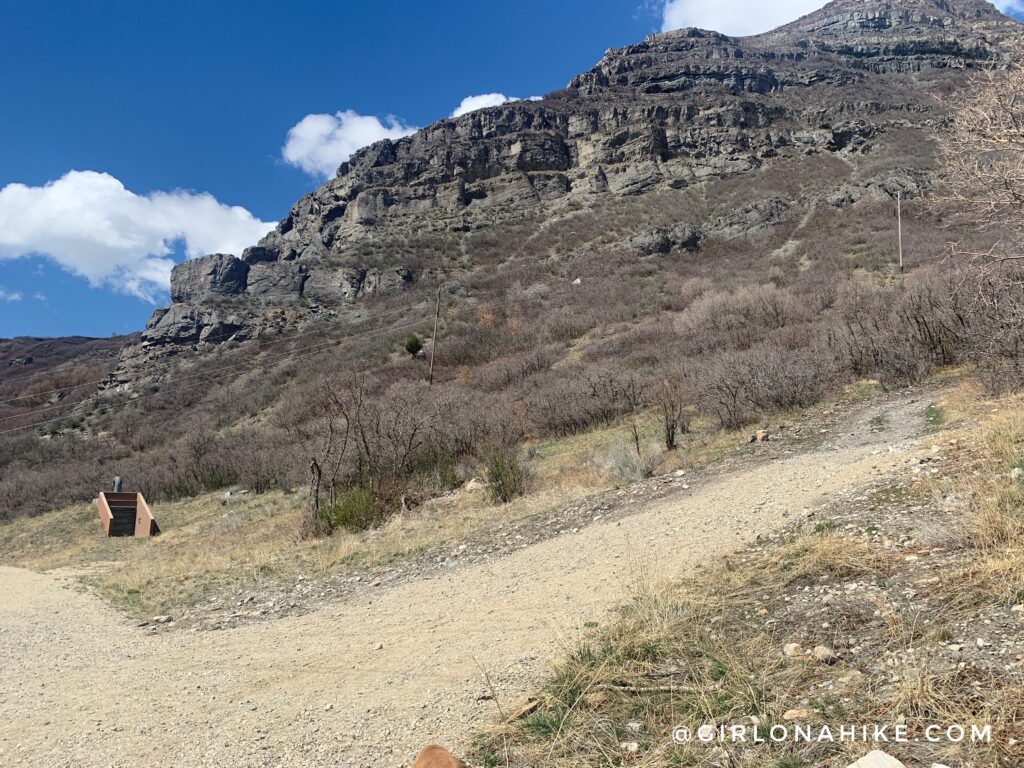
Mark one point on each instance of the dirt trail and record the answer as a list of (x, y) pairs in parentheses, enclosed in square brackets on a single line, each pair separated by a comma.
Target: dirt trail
[(366, 683)]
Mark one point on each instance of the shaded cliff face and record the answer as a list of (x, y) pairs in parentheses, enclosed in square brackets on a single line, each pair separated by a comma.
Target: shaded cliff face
[(674, 112)]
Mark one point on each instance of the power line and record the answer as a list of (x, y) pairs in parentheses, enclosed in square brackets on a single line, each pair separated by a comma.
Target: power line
[(204, 375), (207, 375), (170, 364)]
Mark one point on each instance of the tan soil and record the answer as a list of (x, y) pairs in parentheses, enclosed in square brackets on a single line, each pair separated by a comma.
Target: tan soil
[(82, 686)]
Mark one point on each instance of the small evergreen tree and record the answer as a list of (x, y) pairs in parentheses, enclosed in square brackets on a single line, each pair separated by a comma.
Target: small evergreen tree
[(413, 345)]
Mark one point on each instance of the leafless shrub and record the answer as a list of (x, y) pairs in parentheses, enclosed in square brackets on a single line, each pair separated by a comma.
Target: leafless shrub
[(675, 397), (780, 378), (724, 389), (736, 320), (991, 301), (983, 154), (514, 369), (554, 330), (258, 460), (571, 401), (877, 341)]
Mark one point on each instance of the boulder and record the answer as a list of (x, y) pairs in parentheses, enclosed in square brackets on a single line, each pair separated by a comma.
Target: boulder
[(199, 280), (383, 281), (635, 179), (233, 497), (187, 324), (685, 237), (257, 254), (277, 282), (656, 241), (474, 484), (877, 759), (324, 285), (754, 219), (661, 240), (353, 284)]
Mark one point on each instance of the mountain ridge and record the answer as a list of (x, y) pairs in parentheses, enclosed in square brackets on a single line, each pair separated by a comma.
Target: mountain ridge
[(706, 211), (674, 112), (872, 15)]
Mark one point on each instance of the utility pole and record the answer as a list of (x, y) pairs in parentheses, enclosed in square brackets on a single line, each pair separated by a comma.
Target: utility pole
[(433, 338), (899, 225)]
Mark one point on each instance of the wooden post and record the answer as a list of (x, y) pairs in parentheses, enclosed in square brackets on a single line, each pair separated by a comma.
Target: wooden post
[(433, 338), (899, 225)]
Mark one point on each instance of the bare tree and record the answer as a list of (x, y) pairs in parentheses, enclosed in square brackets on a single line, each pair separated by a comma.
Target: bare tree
[(315, 525), (983, 155), (332, 433), (674, 396), (628, 389)]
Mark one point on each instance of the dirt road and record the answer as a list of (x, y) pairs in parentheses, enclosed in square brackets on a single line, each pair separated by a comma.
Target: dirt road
[(367, 683)]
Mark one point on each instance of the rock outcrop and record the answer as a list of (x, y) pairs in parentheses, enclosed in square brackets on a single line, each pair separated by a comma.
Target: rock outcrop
[(669, 113), (201, 280)]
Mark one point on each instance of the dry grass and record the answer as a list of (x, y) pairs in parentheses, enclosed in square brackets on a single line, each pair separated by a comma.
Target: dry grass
[(708, 650), (994, 486), (701, 652), (678, 655), (208, 549)]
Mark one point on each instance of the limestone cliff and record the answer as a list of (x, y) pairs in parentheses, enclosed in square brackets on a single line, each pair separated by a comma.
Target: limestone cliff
[(669, 113)]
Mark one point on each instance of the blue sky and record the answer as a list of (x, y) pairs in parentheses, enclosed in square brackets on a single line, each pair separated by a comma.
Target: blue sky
[(130, 123)]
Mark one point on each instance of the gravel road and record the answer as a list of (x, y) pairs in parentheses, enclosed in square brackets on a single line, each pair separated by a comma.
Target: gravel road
[(368, 681)]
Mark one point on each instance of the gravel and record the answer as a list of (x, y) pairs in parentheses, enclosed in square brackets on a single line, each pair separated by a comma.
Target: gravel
[(367, 675)]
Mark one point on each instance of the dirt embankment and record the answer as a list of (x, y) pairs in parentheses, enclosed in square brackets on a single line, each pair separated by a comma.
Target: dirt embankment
[(369, 681)]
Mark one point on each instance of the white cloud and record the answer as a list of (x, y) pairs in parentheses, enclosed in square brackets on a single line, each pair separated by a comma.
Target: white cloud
[(318, 144), (6, 295), (484, 100), (751, 17), (734, 17), (95, 228)]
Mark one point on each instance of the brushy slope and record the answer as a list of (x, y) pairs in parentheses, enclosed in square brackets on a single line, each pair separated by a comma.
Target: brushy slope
[(899, 604)]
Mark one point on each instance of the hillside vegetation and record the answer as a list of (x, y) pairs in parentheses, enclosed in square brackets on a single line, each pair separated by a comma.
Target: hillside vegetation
[(734, 326), (899, 603), (534, 345), (679, 235), (218, 543)]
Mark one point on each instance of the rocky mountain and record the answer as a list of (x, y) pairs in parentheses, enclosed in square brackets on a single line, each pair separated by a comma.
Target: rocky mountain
[(676, 112), (703, 219), (49, 372)]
